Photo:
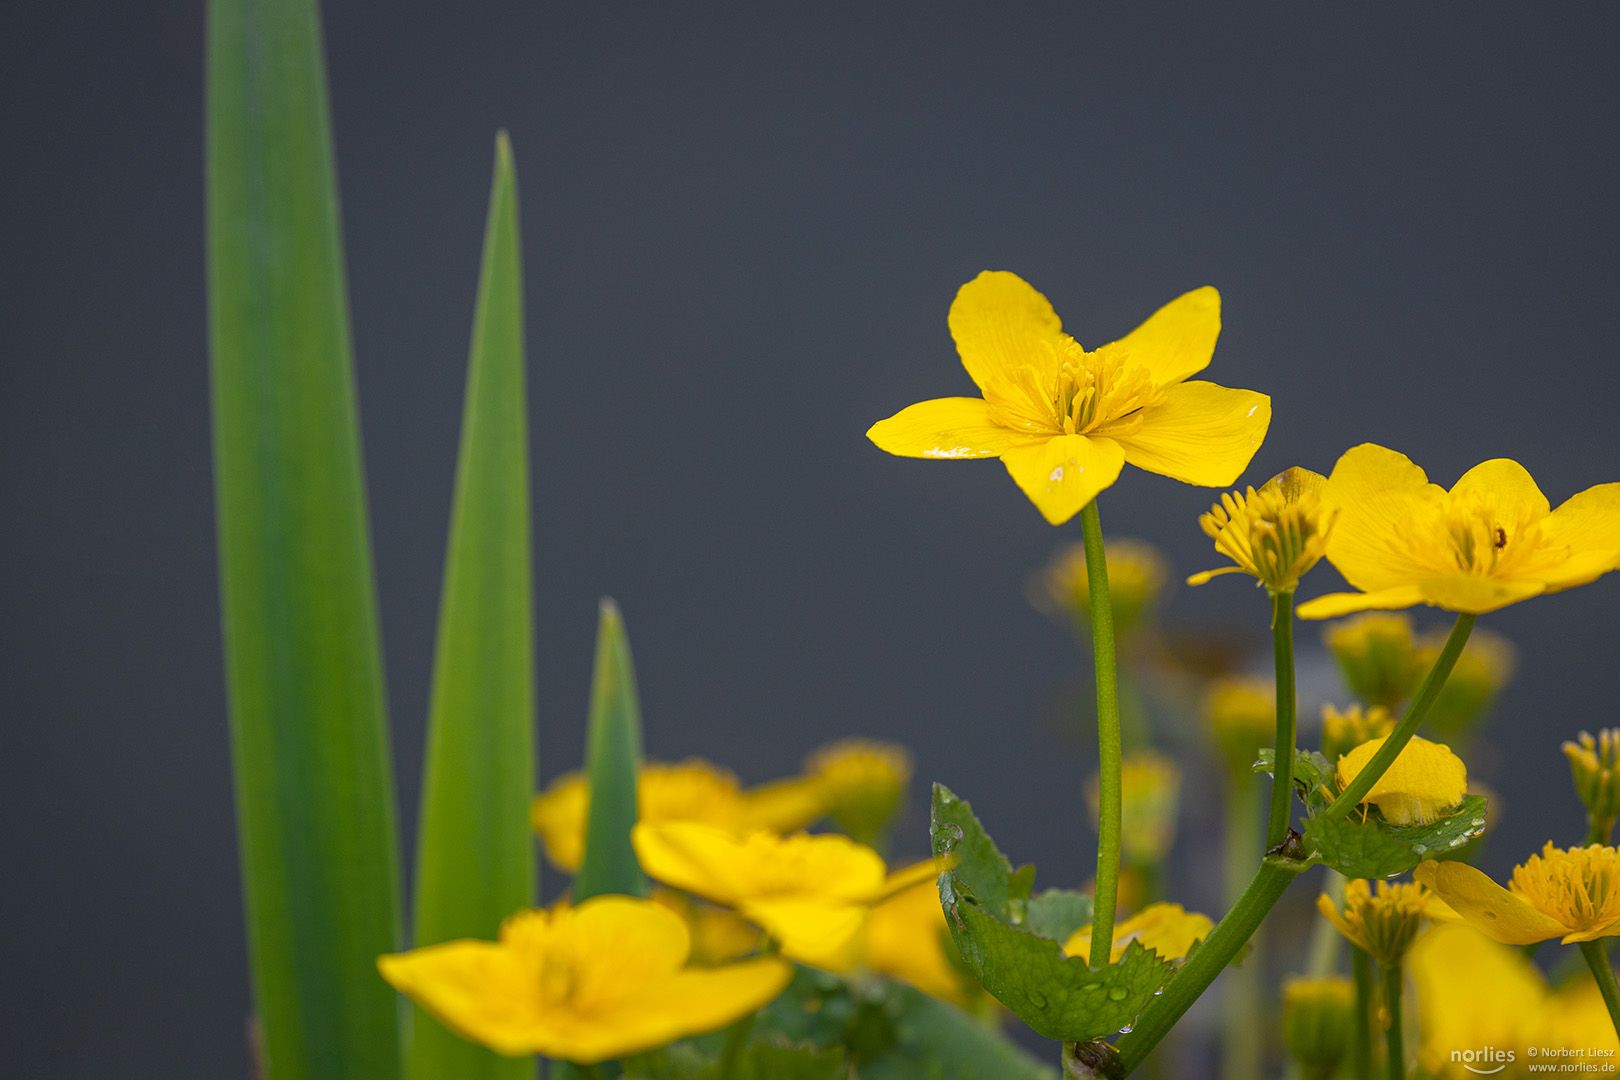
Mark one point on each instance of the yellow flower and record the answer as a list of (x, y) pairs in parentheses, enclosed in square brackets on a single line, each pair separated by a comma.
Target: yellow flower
[(1150, 796), (811, 893), (1377, 652), (1318, 1022), (1242, 714), (1490, 541), (1137, 572), (1065, 421), (1479, 1000), (1484, 667), (1343, 731), (1170, 930), (1572, 894), (1385, 922), (861, 783), (1592, 765), (584, 984), (1275, 534), (1576, 1016), (1424, 782), (906, 937)]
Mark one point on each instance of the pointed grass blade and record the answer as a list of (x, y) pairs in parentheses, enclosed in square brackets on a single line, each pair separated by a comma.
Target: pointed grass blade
[(303, 658), (612, 757), (475, 854)]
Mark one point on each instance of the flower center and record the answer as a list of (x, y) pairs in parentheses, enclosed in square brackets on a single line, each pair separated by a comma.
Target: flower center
[(1073, 392), (1577, 887)]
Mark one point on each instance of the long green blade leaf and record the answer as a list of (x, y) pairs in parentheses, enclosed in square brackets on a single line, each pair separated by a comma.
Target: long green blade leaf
[(612, 757), (475, 854), (303, 659)]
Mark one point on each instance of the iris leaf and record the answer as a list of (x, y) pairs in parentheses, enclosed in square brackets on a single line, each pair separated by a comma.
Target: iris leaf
[(612, 758)]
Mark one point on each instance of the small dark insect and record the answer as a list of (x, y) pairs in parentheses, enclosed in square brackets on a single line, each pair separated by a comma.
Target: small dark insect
[(1501, 537)]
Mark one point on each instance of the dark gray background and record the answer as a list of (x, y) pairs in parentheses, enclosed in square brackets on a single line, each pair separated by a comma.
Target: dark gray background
[(744, 227)]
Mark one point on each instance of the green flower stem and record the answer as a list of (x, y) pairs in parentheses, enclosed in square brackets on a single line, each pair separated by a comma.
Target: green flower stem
[(1223, 943), (1361, 1052), (1108, 739), (1392, 1038), (1597, 958), (1381, 761), (1325, 938), (736, 1038), (587, 1072), (1240, 991), (1599, 830), (1282, 779)]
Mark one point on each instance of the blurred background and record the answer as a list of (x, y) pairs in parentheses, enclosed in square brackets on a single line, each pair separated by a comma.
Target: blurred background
[(744, 226)]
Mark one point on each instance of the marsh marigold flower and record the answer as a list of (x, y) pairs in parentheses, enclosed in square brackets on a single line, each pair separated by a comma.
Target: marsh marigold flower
[(1274, 534), (906, 938), (1490, 541), (1572, 894), (1426, 780), (1242, 715), (1137, 572), (1382, 921), (1168, 929), (861, 783), (1474, 993), (1343, 731), (1484, 667), (1064, 421), (1319, 1018), (583, 984), (1377, 652)]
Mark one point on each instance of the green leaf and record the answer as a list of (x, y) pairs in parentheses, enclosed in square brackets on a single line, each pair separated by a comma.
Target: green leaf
[(1375, 849), (475, 854), (773, 1059), (612, 758), (314, 791), (1312, 772), (1057, 914), (979, 863)]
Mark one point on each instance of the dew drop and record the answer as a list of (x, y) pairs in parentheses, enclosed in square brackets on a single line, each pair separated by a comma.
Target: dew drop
[(1458, 841), (1478, 822), (1057, 475), (1420, 848), (1118, 993), (1037, 999), (1092, 987), (1126, 1030)]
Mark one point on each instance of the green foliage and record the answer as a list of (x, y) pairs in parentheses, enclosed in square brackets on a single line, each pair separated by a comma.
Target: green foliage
[(764, 1060), (980, 865), (475, 855), (612, 758), (1057, 914), (303, 657), (1315, 780), (1373, 848)]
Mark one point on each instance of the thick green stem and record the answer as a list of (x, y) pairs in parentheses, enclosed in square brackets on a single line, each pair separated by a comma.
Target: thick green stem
[(1392, 1038), (1282, 777), (736, 1038), (1241, 1047), (1415, 712), (1597, 959), (1361, 1052), (1224, 942), (587, 1072), (1108, 740), (1599, 830)]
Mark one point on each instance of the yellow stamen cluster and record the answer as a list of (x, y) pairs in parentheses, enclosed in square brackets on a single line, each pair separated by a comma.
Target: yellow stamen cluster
[(1343, 731), (1168, 929), (1579, 887), (1318, 1021), (1073, 392), (1137, 572), (1377, 652), (1384, 922), (1242, 715), (1426, 780), (1592, 764), (1274, 534)]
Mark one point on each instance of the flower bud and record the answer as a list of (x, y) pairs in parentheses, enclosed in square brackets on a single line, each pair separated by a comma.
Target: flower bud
[(862, 783), (1378, 655), (1343, 731), (1274, 534), (1319, 1017), (1383, 920), (1485, 666), (1137, 572), (1242, 715), (1592, 766)]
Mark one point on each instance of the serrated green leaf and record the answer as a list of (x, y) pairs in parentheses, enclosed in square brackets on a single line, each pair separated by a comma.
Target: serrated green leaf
[(612, 760), (979, 863), (475, 854), (1372, 848), (1057, 914), (1312, 774), (1446, 837), (314, 790)]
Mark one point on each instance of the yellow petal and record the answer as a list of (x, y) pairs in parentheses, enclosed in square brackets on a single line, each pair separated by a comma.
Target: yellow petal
[(1424, 781), (1589, 525), (1064, 473), (1608, 929), (784, 805), (999, 323), (630, 940), (1333, 605), (1376, 492), (1487, 906), (1201, 434), (818, 932), (1466, 592), (957, 427), (729, 869), (690, 1002), (911, 876), (906, 938), (1179, 338), (1170, 930), (477, 989), (1506, 486)]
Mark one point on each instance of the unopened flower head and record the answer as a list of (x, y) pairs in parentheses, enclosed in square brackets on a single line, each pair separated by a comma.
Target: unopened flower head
[(1343, 731), (1482, 670), (1137, 572), (1274, 534), (1568, 893), (1492, 540), (1377, 653), (1384, 919), (1150, 796), (1318, 1022), (1593, 766), (862, 782), (1065, 421), (1242, 715), (1168, 929), (1426, 781)]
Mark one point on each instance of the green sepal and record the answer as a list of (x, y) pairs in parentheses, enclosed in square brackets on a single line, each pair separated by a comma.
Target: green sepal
[(1373, 848), (1311, 773), (1057, 914), (612, 761)]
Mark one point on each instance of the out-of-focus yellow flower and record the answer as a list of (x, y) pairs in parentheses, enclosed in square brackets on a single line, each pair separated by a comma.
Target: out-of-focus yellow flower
[(693, 790), (719, 935), (1150, 795), (1383, 922), (584, 984), (1242, 714), (1492, 540), (1378, 654), (1168, 929), (906, 937), (1065, 421), (810, 893), (1576, 1016), (1592, 765), (1479, 1000), (861, 783), (1319, 1018), (1572, 894), (1275, 534), (1343, 731), (1424, 782), (1137, 572), (1484, 667)]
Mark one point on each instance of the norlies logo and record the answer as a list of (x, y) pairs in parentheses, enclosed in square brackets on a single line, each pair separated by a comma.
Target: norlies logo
[(1485, 1061)]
